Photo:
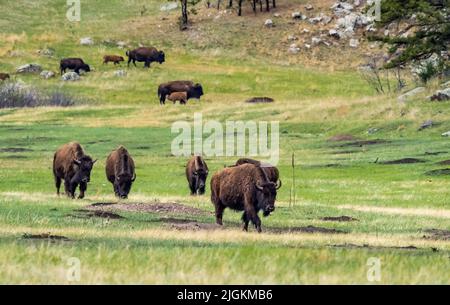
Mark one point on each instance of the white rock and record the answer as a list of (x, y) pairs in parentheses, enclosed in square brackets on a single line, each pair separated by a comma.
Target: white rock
[(406, 96), (86, 41), (292, 37), (47, 74), (120, 73), (29, 68), (354, 43), (121, 44), (70, 77), (277, 15), (316, 40), (446, 134), (308, 46), (446, 85), (294, 49), (386, 33), (297, 15), (309, 7), (268, 23), (305, 31), (441, 95), (169, 6)]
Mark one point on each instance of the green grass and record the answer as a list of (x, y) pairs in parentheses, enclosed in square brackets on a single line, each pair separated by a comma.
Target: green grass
[(394, 204)]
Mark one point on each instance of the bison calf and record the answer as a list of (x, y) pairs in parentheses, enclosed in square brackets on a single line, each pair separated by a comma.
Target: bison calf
[(192, 90), (112, 58), (72, 165), (178, 96), (120, 171), (4, 76), (196, 174), (244, 188)]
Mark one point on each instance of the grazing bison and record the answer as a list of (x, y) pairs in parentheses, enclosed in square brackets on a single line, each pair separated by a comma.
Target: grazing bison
[(178, 96), (76, 64), (112, 58), (196, 174), (244, 188), (72, 165), (146, 55), (193, 90), (120, 171), (272, 172), (4, 76)]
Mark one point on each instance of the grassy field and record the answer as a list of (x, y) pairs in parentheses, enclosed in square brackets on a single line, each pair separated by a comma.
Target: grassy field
[(400, 211)]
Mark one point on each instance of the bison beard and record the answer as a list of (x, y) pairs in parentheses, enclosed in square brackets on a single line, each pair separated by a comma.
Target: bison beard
[(196, 174), (243, 188), (120, 171), (74, 167)]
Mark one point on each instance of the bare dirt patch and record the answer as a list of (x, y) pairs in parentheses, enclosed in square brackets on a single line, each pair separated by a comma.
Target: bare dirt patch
[(434, 153), (403, 161), (157, 207), (308, 229), (195, 226), (342, 138), (344, 152), (436, 234), (96, 213), (439, 172), (257, 100), (15, 150), (339, 218), (364, 143), (445, 162), (366, 246), (45, 236)]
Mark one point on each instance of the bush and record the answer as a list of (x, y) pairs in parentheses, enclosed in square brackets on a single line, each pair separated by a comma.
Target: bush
[(19, 95)]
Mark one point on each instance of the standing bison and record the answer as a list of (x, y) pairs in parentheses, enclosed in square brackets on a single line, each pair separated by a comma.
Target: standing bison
[(72, 165), (244, 188), (196, 174), (76, 64), (146, 55), (120, 171), (192, 90)]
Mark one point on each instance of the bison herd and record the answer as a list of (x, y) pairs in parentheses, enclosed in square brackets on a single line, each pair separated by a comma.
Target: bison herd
[(248, 185)]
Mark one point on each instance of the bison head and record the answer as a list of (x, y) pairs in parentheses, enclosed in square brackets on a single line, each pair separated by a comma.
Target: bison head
[(83, 168), (266, 195), (123, 184), (200, 174), (196, 91), (85, 68), (161, 57)]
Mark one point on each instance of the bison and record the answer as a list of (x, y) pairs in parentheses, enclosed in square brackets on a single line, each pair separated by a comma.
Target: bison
[(120, 171), (193, 90), (4, 76), (272, 172), (112, 58), (72, 165), (196, 174), (146, 55), (76, 64), (244, 188), (178, 96)]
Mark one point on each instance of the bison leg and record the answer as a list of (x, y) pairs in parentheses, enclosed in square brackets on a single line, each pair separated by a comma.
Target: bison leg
[(245, 221), (83, 188), (57, 184), (251, 212), (116, 190), (67, 186), (147, 64), (219, 213)]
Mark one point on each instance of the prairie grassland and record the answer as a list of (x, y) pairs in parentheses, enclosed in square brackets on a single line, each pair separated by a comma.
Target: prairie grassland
[(399, 209)]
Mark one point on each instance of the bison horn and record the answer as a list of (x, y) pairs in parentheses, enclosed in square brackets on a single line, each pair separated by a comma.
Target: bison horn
[(134, 178), (93, 162), (259, 187), (77, 162), (196, 163), (279, 184)]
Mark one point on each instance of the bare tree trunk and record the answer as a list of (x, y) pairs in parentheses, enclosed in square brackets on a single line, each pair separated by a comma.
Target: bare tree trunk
[(184, 14), (254, 6), (267, 6), (274, 4), (218, 4), (230, 4), (240, 8)]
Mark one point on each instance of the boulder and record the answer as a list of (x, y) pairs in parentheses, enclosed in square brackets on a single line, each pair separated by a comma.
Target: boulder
[(268, 23), (446, 134), (86, 41), (70, 77), (294, 49), (120, 73), (29, 68), (426, 124), (168, 7), (46, 52), (309, 7), (47, 74), (354, 43), (297, 15), (441, 95), (410, 94)]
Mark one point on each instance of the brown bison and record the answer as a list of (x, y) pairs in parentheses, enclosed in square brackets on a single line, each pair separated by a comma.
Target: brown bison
[(4, 76), (146, 55), (112, 58), (192, 90), (244, 188), (272, 172), (120, 171), (182, 97), (72, 165), (76, 64), (196, 174)]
